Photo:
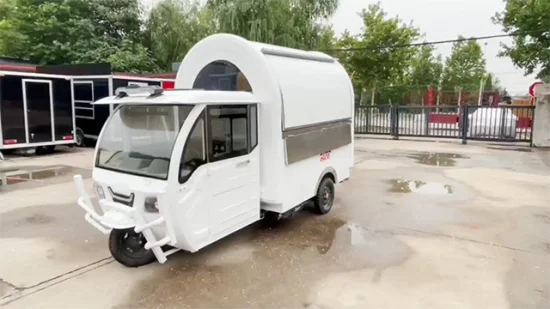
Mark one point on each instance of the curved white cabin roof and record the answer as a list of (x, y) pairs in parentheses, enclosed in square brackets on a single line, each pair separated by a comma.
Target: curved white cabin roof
[(184, 97), (296, 87)]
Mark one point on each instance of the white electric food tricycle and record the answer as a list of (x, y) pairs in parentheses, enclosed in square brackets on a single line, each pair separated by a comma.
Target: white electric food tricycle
[(251, 131)]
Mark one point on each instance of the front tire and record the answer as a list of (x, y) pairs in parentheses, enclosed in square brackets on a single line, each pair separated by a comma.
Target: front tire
[(325, 196), (128, 248)]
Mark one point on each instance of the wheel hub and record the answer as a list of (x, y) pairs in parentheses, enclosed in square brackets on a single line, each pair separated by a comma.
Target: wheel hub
[(134, 243), (326, 196)]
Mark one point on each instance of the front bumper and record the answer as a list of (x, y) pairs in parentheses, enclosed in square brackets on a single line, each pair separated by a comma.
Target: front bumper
[(120, 216)]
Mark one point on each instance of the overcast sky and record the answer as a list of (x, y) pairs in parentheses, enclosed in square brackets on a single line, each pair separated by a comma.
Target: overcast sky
[(441, 20), (446, 19)]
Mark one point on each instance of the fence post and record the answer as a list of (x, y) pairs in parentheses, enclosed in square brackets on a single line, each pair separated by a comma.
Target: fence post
[(427, 119), (503, 123), (394, 121), (368, 115), (533, 111), (465, 123)]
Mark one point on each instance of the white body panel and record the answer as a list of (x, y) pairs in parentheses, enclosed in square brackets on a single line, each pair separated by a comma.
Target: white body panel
[(304, 103), (311, 90), (299, 89)]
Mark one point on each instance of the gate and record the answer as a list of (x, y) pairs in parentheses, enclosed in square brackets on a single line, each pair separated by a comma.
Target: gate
[(485, 123)]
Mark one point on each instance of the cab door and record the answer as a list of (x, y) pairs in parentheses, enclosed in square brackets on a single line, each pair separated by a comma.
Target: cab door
[(192, 197), (233, 167)]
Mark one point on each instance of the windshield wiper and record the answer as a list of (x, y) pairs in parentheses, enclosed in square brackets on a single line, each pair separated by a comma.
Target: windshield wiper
[(112, 156), (140, 155)]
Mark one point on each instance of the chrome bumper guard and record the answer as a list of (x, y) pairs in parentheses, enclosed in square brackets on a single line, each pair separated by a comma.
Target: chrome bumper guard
[(135, 219)]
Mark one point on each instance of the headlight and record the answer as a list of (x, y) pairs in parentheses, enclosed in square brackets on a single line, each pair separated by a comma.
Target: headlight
[(99, 191), (151, 204)]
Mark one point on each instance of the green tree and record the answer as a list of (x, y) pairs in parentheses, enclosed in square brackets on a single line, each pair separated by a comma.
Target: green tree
[(379, 56), (529, 20), (292, 23), (7, 32), (465, 67), (492, 83), (173, 27), (326, 38), (426, 70), (74, 31)]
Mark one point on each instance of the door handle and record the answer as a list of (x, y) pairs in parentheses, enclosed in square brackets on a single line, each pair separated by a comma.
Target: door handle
[(243, 163)]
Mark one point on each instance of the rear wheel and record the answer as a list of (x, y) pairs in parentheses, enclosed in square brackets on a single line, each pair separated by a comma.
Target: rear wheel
[(128, 248), (43, 150), (271, 219), (80, 139), (325, 196), (50, 149)]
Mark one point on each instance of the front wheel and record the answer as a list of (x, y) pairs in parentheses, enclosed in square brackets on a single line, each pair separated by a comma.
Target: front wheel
[(325, 196), (128, 248)]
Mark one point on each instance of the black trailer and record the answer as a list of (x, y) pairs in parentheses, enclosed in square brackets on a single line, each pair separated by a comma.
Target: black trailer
[(92, 82), (36, 111)]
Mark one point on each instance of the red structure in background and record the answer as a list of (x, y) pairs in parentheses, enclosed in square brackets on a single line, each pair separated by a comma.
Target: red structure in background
[(532, 91), (532, 88), (18, 68), (164, 75), (462, 99), (432, 98), (31, 68)]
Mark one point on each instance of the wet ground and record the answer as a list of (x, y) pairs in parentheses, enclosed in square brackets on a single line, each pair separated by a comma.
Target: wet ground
[(420, 225)]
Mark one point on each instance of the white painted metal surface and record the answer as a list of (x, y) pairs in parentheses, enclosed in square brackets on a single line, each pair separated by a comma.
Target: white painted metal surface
[(294, 91), (184, 97), (223, 195)]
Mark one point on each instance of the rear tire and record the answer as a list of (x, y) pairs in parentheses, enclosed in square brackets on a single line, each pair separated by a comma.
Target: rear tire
[(128, 248), (49, 149), (271, 219), (44, 150), (80, 140), (325, 196)]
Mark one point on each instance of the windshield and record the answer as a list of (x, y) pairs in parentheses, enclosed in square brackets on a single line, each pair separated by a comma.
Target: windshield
[(138, 139)]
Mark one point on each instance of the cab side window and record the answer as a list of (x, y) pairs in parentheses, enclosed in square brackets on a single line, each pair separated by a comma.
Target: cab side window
[(194, 151), (253, 122), (228, 132)]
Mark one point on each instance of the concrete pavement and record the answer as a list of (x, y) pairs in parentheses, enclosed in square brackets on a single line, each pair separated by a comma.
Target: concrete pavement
[(419, 225)]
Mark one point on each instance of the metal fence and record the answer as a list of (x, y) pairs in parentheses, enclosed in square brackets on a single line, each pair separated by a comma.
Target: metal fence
[(488, 123)]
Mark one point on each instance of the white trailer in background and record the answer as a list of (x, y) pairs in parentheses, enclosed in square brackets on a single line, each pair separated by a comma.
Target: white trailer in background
[(270, 130)]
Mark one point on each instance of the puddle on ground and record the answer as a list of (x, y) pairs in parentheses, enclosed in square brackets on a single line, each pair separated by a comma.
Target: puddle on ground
[(356, 248), (517, 149), (436, 158), (26, 173), (318, 234), (420, 187)]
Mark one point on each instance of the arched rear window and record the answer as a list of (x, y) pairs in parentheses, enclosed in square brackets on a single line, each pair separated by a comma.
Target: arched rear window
[(221, 75)]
